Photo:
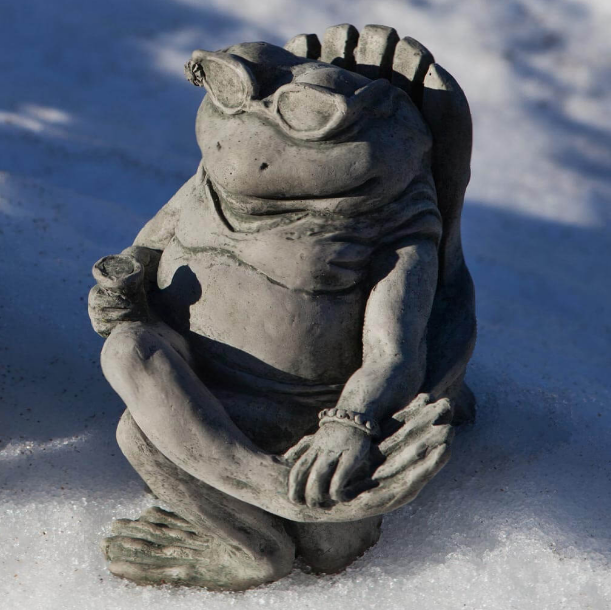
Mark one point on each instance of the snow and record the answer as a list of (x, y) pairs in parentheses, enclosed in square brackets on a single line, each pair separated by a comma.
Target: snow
[(96, 124)]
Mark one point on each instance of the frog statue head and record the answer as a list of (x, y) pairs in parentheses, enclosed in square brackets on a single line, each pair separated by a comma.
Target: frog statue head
[(281, 127)]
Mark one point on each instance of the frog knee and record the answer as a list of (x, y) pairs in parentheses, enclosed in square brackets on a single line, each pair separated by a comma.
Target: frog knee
[(125, 354), (128, 346)]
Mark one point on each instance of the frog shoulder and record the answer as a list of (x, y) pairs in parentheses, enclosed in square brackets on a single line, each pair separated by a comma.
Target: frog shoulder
[(158, 231), (186, 196)]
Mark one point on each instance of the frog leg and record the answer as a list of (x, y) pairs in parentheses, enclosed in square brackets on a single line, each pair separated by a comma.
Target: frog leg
[(214, 540), (210, 540), (151, 368)]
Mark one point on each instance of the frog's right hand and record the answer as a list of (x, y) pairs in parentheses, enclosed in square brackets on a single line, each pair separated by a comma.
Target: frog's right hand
[(119, 294)]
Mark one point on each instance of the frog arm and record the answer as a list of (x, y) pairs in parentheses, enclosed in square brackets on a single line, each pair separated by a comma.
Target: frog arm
[(394, 332), (377, 52)]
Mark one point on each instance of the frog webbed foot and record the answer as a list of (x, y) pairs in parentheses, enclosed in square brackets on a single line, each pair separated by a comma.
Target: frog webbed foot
[(159, 548), (162, 548)]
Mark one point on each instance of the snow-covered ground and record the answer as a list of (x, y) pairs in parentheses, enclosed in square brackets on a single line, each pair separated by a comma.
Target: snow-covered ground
[(96, 131)]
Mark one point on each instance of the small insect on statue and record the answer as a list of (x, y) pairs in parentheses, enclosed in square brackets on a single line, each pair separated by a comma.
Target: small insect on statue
[(290, 332)]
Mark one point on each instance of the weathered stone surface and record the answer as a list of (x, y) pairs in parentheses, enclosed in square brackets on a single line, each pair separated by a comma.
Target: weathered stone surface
[(304, 45), (339, 43), (290, 332), (410, 65), (375, 50)]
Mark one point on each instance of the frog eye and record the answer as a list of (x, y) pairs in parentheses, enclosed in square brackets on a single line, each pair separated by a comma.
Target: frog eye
[(228, 80), (309, 110)]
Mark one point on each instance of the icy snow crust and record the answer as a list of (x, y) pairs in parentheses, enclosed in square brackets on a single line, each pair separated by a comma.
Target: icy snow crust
[(96, 123)]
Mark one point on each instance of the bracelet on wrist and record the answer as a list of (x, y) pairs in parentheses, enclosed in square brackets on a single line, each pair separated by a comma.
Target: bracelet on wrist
[(349, 418)]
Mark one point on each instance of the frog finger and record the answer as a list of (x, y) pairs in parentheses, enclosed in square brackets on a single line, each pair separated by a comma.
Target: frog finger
[(298, 477), (375, 50), (345, 468), (433, 415), (406, 413), (100, 298), (415, 451), (413, 481), (338, 45), (319, 479), (105, 321), (410, 65), (394, 492), (304, 45)]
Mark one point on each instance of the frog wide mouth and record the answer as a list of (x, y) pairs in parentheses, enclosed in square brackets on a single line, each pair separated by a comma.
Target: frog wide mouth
[(364, 188), (365, 195)]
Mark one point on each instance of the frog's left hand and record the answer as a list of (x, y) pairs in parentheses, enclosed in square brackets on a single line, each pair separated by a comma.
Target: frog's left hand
[(323, 463)]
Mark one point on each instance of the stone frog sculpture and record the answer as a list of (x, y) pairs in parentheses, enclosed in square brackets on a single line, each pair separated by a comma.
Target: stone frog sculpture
[(290, 332)]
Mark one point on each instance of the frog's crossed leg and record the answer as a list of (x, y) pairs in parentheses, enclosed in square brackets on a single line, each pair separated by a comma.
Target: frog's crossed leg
[(223, 543)]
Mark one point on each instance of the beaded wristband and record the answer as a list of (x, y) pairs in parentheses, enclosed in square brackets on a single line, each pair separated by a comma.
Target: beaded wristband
[(350, 418)]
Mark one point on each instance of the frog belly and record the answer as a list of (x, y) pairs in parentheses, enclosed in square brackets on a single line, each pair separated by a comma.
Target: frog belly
[(245, 321)]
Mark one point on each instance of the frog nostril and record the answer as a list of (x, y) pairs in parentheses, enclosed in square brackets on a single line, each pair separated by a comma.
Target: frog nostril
[(263, 166)]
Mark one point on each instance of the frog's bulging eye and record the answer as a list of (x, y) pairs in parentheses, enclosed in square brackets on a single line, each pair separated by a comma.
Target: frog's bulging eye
[(312, 112), (225, 85), (309, 108), (227, 80)]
